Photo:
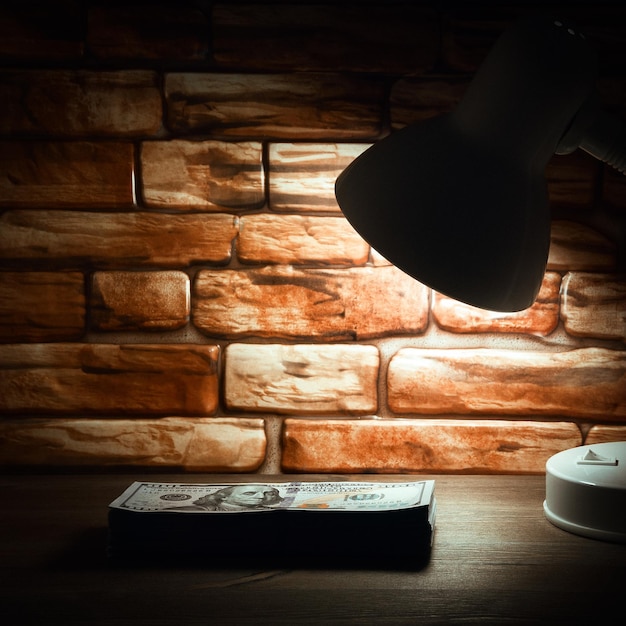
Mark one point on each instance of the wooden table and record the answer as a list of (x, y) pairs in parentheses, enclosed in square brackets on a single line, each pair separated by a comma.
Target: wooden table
[(495, 560)]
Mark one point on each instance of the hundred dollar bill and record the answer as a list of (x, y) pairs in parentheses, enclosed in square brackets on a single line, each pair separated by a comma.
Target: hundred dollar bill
[(291, 522), (297, 496)]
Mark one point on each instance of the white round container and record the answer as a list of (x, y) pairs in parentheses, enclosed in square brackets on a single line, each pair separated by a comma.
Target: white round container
[(586, 491)]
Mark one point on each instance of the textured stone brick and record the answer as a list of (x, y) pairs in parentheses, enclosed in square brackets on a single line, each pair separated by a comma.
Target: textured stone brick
[(473, 28), (572, 179), (614, 189), (67, 379), (187, 444), (113, 240), (603, 433), (139, 300), (539, 319), (303, 379), (302, 175), (356, 303), (416, 99), (585, 383), (307, 106), (160, 31), (77, 121), (41, 306), (471, 32), (429, 445), (594, 305), (391, 38), (80, 103), (210, 175), (267, 238), (575, 246), (66, 174), (42, 31)]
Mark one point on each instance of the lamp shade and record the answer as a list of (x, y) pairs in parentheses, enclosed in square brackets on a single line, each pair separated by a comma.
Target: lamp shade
[(459, 202)]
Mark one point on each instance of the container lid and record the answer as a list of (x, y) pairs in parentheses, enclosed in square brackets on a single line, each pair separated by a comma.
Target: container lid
[(586, 491), (602, 464)]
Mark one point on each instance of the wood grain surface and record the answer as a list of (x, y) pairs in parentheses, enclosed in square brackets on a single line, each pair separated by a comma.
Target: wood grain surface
[(495, 560)]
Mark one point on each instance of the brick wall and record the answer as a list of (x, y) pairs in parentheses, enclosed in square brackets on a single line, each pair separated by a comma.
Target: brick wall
[(179, 290)]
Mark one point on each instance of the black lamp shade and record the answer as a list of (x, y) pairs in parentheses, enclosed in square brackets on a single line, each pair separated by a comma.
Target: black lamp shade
[(460, 201)]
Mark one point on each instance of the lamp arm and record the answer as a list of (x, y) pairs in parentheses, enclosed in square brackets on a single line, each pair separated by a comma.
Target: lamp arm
[(606, 140), (597, 132)]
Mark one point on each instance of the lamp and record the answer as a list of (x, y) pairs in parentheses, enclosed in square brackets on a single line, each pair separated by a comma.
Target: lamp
[(459, 202)]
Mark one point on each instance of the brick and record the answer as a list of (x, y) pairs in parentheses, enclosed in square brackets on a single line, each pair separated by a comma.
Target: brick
[(377, 259), (302, 176), (575, 246), (139, 300), (539, 319), (66, 174), (594, 305), (178, 443), (42, 30), (416, 99), (302, 379), (603, 433), (357, 303), (471, 31), (429, 445), (585, 383), (399, 38), (169, 32), (267, 238), (73, 239), (66, 379), (80, 103), (41, 306), (307, 106), (210, 175), (614, 189), (572, 180)]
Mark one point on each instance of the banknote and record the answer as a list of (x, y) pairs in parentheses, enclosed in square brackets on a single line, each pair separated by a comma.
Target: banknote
[(297, 496), (285, 522)]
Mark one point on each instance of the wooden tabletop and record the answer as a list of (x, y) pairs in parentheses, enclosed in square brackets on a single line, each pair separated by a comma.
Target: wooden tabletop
[(495, 560)]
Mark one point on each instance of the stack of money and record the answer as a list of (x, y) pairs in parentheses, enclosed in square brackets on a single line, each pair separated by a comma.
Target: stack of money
[(304, 521)]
